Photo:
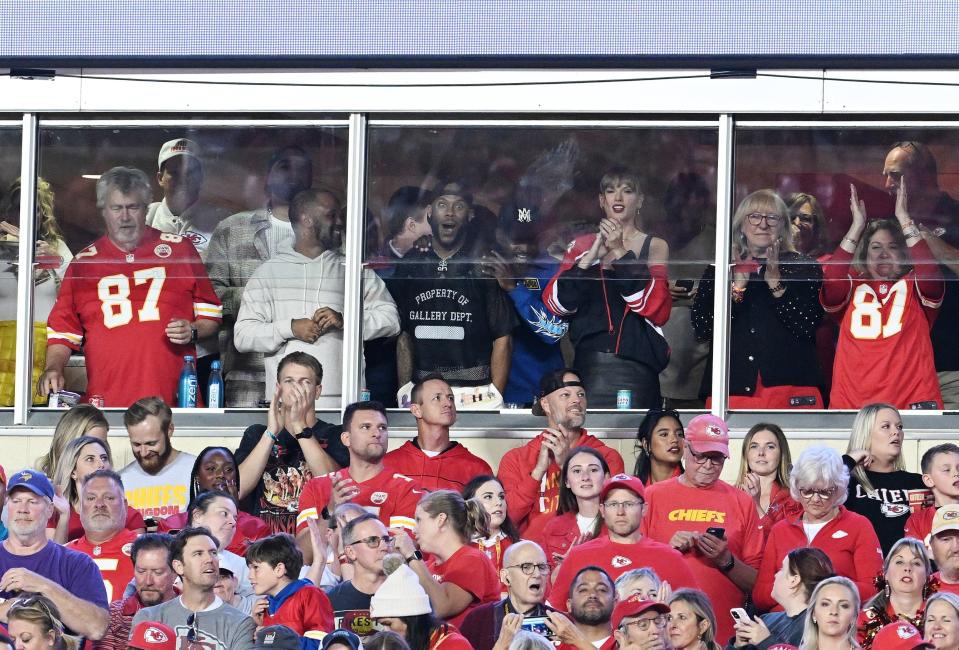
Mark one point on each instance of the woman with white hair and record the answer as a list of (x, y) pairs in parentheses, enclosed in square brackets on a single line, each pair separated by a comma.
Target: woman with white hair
[(774, 311), (831, 617), (941, 621), (818, 482), (880, 488)]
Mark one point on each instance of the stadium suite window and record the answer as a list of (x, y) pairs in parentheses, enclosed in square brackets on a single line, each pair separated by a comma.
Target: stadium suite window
[(467, 226), (857, 353), (10, 216), (224, 193)]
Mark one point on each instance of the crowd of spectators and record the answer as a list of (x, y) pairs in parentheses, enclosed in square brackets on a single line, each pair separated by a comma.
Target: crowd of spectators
[(556, 545)]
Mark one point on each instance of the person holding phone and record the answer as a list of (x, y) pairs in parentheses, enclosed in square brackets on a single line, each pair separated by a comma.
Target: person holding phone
[(711, 523), (525, 573), (775, 311), (886, 284)]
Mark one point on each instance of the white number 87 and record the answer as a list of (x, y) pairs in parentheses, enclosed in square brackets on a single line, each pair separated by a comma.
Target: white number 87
[(114, 294)]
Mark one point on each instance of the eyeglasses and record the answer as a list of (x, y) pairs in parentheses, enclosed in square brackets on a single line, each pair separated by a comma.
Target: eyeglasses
[(703, 459), (825, 493), (529, 567), (625, 505), (756, 218), (643, 623), (193, 634), (374, 541)]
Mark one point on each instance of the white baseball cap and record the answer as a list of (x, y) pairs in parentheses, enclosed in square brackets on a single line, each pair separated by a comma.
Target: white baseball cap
[(178, 147)]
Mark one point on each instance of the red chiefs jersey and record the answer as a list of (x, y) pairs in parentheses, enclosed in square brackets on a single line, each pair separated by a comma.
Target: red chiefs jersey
[(112, 558), (117, 306), (469, 569), (884, 353), (391, 497)]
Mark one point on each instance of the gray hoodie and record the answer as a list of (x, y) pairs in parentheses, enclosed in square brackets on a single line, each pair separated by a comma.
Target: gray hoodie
[(290, 286)]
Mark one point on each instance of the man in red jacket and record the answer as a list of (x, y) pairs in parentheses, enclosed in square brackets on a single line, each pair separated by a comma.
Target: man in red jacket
[(530, 474), (430, 459)]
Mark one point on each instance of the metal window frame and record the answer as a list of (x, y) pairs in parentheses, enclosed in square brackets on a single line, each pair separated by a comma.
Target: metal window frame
[(507, 423)]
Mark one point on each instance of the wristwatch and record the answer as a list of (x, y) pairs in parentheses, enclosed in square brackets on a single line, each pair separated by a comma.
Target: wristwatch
[(304, 434), (193, 335), (416, 556)]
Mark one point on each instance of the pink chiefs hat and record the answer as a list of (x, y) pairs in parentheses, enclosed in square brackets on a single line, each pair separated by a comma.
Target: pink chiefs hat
[(626, 482), (150, 635), (899, 636), (706, 433)]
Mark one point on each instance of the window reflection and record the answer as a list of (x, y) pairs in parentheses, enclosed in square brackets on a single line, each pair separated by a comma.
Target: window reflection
[(817, 172), (49, 241), (226, 194), (469, 228)]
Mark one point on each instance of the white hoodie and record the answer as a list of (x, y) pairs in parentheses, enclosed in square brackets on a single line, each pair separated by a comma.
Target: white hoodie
[(290, 286)]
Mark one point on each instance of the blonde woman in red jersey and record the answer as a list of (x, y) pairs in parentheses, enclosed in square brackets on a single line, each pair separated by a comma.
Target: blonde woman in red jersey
[(886, 283)]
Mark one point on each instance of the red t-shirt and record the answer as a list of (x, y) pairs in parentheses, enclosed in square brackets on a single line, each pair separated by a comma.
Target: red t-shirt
[(248, 529), (450, 470), (112, 558), (446, 637), (919, 524), (530, 503), (884, 352), (75, 526), (616, 559), (948, 587), (305, 609), (470, 570), (672, 506), (117, 306), (848, 539), (391, 497)]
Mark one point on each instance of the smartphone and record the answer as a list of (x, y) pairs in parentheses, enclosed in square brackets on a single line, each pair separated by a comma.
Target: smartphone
[(739, 614), (717, 532), (537, 624), (686, 285)]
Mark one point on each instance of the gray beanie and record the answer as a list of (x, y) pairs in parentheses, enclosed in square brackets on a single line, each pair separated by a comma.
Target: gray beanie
[(400, 595)]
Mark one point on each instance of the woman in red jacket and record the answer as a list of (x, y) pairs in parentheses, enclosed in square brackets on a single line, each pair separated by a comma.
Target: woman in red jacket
[(502, 531), (577, 517), (819, 479), (764, 474)]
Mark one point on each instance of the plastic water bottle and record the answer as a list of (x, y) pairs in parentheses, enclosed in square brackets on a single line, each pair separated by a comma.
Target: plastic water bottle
[(215, 387), (188, 384)]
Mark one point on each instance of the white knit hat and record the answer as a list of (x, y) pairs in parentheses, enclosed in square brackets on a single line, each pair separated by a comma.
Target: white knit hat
[(400, 595)]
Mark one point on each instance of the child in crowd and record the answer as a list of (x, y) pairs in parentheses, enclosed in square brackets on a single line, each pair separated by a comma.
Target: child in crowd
[(940, 472), (275, 563)]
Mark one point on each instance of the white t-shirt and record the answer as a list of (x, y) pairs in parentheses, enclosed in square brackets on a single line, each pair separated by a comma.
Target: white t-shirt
[(813, 529), (280, 233), (163, 494), (585, 524)]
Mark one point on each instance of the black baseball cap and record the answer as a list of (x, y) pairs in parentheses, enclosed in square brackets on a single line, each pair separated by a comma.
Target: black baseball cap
[(551, 381)]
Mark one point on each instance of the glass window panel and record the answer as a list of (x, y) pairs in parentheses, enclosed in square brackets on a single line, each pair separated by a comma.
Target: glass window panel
[(469, 226), (220, 197), (889, 277), (10, 214)]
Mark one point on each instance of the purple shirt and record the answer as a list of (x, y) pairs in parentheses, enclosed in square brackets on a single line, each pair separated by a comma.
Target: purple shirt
[(70, 569)]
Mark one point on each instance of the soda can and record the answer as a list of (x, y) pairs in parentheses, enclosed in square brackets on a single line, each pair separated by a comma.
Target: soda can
[(624, 399), (364, 394), (97, 400)]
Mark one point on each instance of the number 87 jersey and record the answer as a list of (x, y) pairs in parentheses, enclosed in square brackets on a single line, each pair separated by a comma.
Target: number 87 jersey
[(884, 353), (118, 304)]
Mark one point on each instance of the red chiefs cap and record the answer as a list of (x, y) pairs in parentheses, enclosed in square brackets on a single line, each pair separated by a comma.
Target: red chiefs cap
[(626, 482), (150, 635), (899, 636), (706, 433), (634, 606)]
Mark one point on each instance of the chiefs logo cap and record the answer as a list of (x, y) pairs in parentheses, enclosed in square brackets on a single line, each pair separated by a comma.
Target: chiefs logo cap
[(708, 433), (151, 635), (946, 518)]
